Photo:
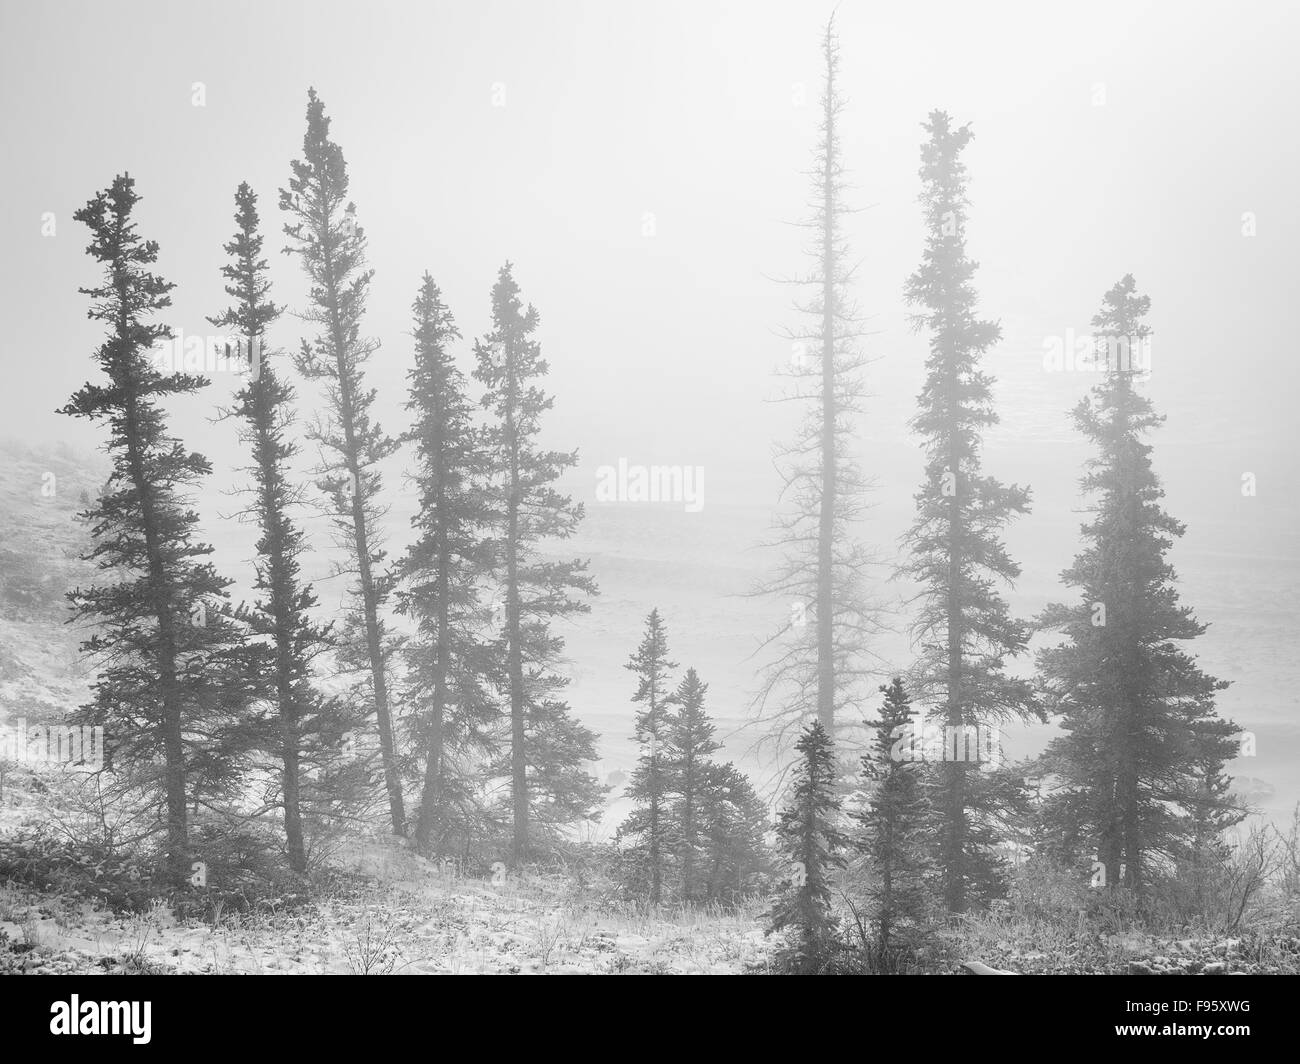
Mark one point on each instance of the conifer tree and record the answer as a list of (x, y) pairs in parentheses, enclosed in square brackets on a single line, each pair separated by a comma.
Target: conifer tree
[(687, 749), (964, 629), (306, 724), (1202, 854), (821, 652), (547, 746), (332, 249), (1142, 738), (736, 860), (1057, 828), (811, 843), (649, 821), (169, 687), (451, 665), (893, 827)]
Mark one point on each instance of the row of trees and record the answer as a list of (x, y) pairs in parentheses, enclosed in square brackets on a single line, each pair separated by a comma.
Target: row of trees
[(1136, 783), (205, 701)]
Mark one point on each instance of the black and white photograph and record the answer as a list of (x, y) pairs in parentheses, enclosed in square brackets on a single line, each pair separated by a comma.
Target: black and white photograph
[(601, 487)]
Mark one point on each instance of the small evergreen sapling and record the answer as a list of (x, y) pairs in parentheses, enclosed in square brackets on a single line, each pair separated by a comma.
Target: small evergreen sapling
[(812, 846)]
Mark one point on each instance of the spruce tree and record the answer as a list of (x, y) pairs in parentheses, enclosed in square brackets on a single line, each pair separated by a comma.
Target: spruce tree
[(306, 724), (821, 652), (648, 823), (547, 746), (1142, 740), (688, 745), (332, 249), (964, 629), (451, 666), (893, 828), (736, 860), (1057, 828), (1204, 851), (168, 691), (809, 840)]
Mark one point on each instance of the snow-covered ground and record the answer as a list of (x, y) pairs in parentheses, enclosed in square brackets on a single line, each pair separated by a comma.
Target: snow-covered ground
[(413, 918)]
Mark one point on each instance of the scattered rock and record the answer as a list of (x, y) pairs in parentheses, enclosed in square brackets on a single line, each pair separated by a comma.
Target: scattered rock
[(977, 968)]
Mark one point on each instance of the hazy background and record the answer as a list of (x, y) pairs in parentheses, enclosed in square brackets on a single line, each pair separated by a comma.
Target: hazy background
[(1110, 138)]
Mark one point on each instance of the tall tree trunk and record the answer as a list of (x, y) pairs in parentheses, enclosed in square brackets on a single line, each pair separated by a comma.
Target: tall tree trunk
[(374, 646), (369, 599), (172, 726), (518, 763), (177, 813), (288, 718), (886, 904), (281, 611), (955, 894), (826, 529), (292, 799), (656, 854), (431, 797), (688, 831), (515, 660)]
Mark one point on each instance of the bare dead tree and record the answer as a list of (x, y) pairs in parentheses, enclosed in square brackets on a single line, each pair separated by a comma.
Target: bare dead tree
[(819, 657)]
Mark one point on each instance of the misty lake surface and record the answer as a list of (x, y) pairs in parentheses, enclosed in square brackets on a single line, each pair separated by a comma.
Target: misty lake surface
[(697, 568)]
